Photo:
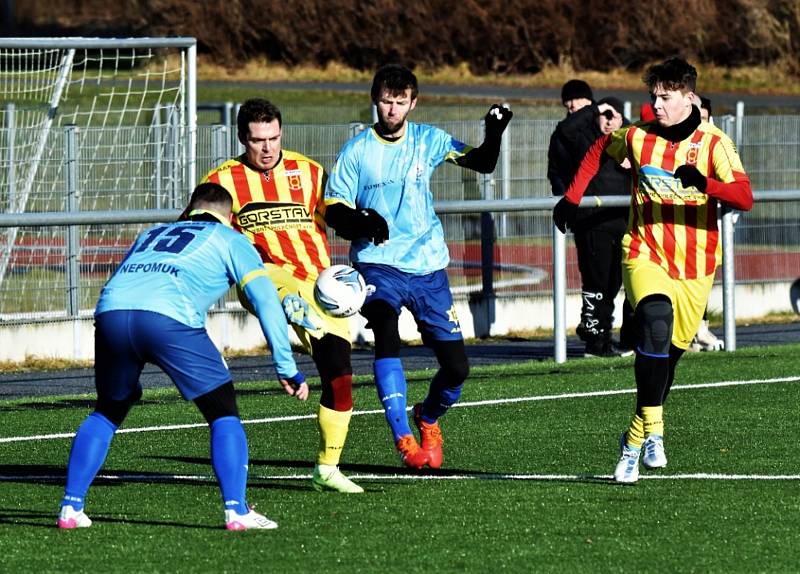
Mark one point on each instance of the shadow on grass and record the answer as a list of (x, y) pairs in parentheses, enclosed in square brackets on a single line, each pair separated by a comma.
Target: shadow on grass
[(24, 517), (392, 473)]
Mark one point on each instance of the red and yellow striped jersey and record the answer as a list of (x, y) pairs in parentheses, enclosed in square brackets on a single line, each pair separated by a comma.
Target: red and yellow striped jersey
[(280, 211), (673, 226)]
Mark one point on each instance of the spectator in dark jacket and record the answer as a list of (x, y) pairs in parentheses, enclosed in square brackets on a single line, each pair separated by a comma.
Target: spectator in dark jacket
[(598, 230)]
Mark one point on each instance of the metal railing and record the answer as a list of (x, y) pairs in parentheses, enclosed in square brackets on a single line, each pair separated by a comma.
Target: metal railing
[(483, 207), (494, 256)]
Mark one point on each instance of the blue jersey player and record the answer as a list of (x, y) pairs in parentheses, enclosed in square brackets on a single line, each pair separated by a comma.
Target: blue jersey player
[(153, 310), (378, 196)]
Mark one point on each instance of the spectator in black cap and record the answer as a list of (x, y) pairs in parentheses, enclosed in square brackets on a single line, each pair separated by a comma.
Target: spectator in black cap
[(576, 94), (614, 103), (598, 230)]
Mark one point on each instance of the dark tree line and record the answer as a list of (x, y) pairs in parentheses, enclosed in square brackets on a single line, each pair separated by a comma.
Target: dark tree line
[(500, 36)]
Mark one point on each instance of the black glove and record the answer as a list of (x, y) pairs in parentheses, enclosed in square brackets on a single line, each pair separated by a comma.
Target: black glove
[(496, 121), (369, 223), (690, 176), (564, 214)]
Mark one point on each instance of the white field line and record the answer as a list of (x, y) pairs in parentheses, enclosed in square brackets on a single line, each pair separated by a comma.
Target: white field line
[(505, 401), (412, 477)]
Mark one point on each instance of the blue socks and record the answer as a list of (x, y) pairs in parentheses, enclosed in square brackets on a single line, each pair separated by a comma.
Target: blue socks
[(391, 383), (229, 459), (90, 447), (88, 453), (440, 398)]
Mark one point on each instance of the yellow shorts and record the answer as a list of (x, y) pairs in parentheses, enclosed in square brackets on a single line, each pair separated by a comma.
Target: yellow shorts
[(307, 319), (689, 296)]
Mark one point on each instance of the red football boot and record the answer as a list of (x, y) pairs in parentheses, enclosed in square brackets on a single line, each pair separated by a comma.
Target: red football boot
[(410, 452), (431, 436)]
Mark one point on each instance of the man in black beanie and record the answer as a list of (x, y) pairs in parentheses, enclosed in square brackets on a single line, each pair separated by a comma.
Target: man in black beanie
[(576, 94), (598, 230)]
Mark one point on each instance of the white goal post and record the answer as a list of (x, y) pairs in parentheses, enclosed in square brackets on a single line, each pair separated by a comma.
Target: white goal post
[(91, 124)]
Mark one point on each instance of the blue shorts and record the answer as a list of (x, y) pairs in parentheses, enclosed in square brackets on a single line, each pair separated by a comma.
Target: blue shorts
[(428, 298), (125, 340)]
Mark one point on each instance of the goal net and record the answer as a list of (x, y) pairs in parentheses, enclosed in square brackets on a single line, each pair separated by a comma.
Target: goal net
[(87, 124)]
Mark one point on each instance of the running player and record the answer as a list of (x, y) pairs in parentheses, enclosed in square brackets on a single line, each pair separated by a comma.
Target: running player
[(153, 310), (682, 171), (277, 203), (379, 197)]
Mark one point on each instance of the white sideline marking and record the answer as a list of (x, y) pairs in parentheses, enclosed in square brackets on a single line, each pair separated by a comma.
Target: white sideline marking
[(623, 392), (380, 411), (414, 477)]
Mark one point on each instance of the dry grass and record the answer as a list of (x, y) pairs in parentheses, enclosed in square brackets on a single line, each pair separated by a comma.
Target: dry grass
[(42, 364), (262, 71), (751, 80)]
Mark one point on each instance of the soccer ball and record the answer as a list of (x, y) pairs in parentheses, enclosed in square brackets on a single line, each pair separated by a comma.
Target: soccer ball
[(340, 291)]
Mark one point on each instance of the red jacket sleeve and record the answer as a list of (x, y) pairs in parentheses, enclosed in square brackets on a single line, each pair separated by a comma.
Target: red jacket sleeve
[(738, 193), (590, 165)]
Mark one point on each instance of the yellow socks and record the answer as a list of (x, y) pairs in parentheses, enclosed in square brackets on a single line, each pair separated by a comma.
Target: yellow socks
[(635, 434), (333, 427), (653, 418), (651, 421)]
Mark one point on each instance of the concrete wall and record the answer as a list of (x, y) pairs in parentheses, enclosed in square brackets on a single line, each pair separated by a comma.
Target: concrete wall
[(74, 339)]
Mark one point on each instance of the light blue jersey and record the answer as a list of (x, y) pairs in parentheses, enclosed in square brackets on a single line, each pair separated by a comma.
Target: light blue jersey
[(180, 269), (393, 178)]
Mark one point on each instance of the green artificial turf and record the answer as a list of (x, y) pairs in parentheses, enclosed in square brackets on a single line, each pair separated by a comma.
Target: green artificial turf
[(525, 486)]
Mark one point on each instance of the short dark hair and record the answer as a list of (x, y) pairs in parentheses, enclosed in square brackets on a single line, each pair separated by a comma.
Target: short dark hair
[(395, 79), (705, 104), (256, 110), (210, 193), (673, 74)]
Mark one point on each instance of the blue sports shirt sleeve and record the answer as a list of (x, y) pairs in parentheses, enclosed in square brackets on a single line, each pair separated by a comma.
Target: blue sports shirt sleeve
[(342, 184)]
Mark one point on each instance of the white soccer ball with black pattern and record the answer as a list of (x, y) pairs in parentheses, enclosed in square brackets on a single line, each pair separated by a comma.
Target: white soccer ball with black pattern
[(340, 291)]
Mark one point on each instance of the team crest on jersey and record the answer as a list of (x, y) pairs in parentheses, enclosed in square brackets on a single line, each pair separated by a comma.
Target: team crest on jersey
[(419, 170), (293, 178), (694, 150), (258, 217)]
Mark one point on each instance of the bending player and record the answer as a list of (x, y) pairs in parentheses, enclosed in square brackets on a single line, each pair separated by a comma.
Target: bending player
[(379, 197), (153, 310)]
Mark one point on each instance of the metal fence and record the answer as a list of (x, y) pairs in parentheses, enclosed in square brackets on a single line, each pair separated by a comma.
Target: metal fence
[(56, 272)]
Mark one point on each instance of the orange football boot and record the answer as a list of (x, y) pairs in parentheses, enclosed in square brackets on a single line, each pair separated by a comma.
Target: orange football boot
[(410, 452), (431, 436)]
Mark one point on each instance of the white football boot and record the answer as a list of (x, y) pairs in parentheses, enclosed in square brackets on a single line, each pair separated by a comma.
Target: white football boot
[(328, 477), (705, 340), (627, 470), (69, 518), (654, 455), (250, 521)]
